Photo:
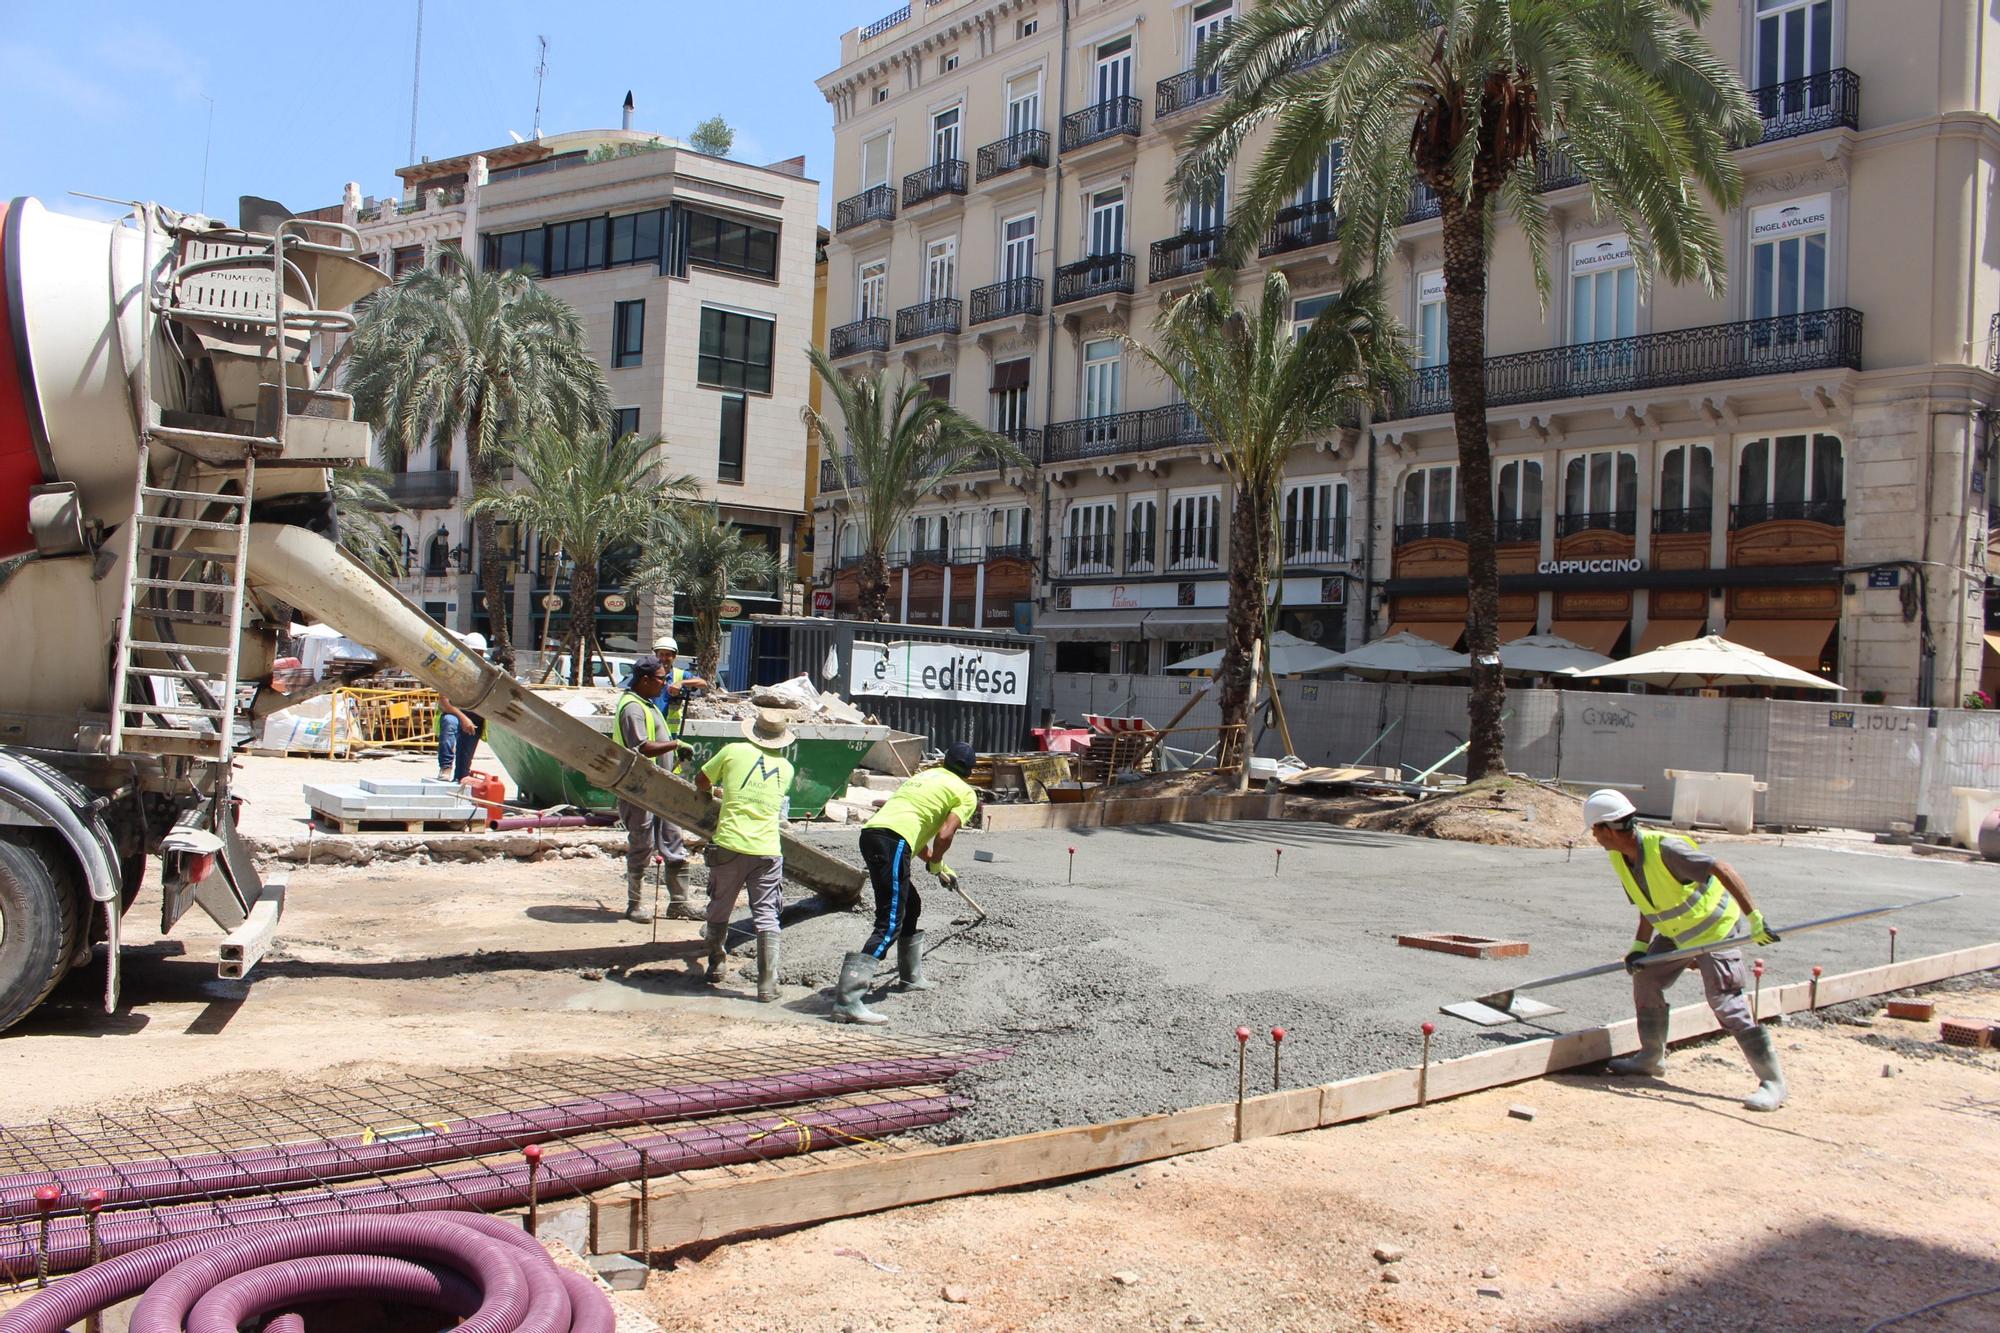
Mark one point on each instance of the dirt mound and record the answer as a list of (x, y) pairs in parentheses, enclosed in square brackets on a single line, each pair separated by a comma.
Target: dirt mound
[(1502, 812)]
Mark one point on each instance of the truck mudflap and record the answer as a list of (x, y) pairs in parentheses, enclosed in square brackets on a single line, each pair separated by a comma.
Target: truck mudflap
[(33, 793)]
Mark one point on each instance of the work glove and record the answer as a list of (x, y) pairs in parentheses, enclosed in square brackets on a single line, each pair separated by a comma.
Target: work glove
[(1636, 955), (1760, 932), (946, 875)]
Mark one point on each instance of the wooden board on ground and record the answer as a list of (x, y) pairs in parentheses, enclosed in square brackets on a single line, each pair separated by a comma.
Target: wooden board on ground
[(333, 824), (995, 818)]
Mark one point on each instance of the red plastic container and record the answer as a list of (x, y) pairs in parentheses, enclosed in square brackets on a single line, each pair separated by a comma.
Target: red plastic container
[(483, 789)]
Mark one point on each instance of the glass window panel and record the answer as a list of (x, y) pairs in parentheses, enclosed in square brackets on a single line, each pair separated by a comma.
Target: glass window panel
[(1673, 479), (1440, 500), (1829, 463), (1628, 302), (1763, 280), (1531, 489), (1510, 491), (1753, 480), (1576, 486), (1767, 52), (1812, 293), (1701, 479), (1413, 498), (1628, 483), (1789, 472), (1795, 42), (1600, 483), (1822, 37), (1788, 276)]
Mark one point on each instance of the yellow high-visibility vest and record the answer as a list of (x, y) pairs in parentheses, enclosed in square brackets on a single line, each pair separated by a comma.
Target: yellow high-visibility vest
[(1688, 914), (646, 710)]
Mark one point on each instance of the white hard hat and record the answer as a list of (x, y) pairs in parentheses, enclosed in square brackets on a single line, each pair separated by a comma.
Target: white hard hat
[(665, 644), (1606, 806), (476, 641)]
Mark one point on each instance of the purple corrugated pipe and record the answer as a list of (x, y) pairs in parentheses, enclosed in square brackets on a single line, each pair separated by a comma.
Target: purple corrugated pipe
[(256, 1170), (214, 1282), (484, 1187)]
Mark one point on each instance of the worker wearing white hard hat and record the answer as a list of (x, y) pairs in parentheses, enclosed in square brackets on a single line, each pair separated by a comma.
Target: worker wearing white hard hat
[(1686, 899), (681, 683)]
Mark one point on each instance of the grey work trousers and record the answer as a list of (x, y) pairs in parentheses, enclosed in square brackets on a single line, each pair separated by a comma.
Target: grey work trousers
[(1721, 983), (729, 871), (645, 834)]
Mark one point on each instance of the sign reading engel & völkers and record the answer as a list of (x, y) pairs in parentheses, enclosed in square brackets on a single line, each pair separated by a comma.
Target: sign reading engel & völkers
[(908, 670)]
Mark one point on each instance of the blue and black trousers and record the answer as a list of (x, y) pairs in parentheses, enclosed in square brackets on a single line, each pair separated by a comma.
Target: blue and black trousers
[(897, 905)]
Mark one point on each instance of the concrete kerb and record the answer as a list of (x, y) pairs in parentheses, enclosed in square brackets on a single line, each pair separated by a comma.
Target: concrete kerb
[(365, 848)]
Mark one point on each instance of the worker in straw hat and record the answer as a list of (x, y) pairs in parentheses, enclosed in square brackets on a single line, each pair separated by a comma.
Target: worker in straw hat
[(752, 777), (1686, 898)]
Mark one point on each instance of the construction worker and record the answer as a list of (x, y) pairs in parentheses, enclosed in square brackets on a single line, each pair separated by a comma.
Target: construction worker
[(641, 728), (681, 683), (1686, 898), (752, 777), (919, 820), (458, 731)]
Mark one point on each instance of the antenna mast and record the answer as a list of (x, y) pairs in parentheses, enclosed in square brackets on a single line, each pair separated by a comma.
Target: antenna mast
[(541, 72), (416, 82)]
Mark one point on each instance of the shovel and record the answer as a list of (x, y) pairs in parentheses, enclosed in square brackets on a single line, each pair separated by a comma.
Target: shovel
[(950, 881), (1508, 1007)]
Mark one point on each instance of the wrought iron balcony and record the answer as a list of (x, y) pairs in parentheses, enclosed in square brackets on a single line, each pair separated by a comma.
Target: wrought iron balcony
[(1315, 543), (1139, 548), (928, 319), (1187, 89), (1028, 439), (1833, 513), (886, 22), (1100, 121), (1423, 203), (1301, 227), (1089, 555), (947, 177), (1808, 105), (1029, 148), (1609, 520), (1015, 296), (1518, 529), (423, 490), (1098, 275), (967, 555), (1993, 344), (834, 477), (1010, 551), (872, 205), (1194, 548), (1782, 344), (1025, 438), (852, 560), (1555, 169), (1189, 252), (1683, 520), (863, 335), (930, 555), (1417, 532), (1124, 433)]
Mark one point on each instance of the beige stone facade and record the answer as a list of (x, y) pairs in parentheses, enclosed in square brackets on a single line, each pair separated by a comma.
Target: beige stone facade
[(1802, 462)]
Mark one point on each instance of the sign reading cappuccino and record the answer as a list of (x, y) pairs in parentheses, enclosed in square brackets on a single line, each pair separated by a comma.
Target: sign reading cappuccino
[(1625, 566), (908, 670)]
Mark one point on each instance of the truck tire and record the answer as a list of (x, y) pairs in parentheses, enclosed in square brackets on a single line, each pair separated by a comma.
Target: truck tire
[(38, 928)]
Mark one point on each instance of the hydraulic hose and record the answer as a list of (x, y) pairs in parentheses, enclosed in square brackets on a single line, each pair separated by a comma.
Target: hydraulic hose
[(479, 1268), (484, 1187), (258, 1169)]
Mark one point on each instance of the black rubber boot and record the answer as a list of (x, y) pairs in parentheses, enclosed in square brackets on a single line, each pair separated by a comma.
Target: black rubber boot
[(910, 963), (856, 970), (1762, 1054), (1651, 1057)]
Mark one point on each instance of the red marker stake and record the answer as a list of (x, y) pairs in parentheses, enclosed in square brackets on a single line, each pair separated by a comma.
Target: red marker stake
[(93, 1203), (1757, 995), (533, 1152), (1424, 1074), (1277, 1044), (1892, 944), (1242, 1048), (45, 1203), (1072, 865), (1277, 860), (1813, 1001)]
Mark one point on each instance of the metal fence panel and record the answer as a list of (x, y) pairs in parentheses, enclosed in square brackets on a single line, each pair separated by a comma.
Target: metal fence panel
[(1966, 754), (1630, 740), (1843, 765)]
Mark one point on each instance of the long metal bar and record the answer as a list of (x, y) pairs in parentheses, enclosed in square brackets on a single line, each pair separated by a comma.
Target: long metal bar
[(1502, 999)]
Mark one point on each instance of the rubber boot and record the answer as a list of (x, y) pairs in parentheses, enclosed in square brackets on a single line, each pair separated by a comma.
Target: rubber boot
[(635, 899), (767, 966), (1762, 1054), (855, 972), (717, 935), (680, 902), (910, 963), (1651, 1057)]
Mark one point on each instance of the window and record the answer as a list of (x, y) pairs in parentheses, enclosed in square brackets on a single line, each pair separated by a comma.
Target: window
[(1600, 490), (1794, 40), (1788, 257), (735, 350), (945, 135), (1107, 222), (1017, 248), (881, 94), (514, 249), (729, 453), (947, 62), (408, 258), (577, 247), (1142, 539), (624, 421), (1102, 371), (1517, 513), (875, 160), (1009, 528), (938, 387), (741, 247), (1207, 22), (636, 237), (1026, 28), (1024, 103), (1687, 489), (1325, 178), (1114, 70), (1315, 522), (628, 333), (1307, 309), (1194, 531), (1430, 318), (1204, 210), (941, 269), (1010, 397), (449, 260), (1088, 532), (1604, 291), (871, 289), (1431, 504), (1791, 476)]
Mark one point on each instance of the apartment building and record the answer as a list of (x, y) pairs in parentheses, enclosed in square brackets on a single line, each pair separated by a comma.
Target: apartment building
[(694, 277), (1802, 463)]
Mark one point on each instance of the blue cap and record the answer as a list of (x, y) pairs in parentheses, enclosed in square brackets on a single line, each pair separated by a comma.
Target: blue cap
[(961, 757)]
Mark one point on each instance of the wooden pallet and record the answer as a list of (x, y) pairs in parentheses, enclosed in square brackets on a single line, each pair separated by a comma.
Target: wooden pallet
[(333, 824)]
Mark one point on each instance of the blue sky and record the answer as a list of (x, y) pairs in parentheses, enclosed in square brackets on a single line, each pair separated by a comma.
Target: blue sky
[(111, 98)]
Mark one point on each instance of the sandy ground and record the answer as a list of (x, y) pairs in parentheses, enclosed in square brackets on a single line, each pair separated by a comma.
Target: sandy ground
[(1624, 1204)]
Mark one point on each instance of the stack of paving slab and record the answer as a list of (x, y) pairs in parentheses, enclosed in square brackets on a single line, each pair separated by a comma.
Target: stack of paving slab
[(348, 806)]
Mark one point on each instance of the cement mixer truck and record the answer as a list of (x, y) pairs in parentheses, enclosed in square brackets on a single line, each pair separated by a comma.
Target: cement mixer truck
[(169, 410)]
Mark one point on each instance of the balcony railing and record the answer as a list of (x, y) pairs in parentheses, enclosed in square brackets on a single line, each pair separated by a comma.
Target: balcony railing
[(1089, 555), (1554, 169), (852, 560), (1808, 105), (1100, 121), (1417, 532), (863, 335), (1124, 433), (1518, 529), (1181, 91), (1193, 548), (967, 555), (886, 22), (1300, 227), (1993, 344), (423, 490), (927, 319), (1139, 547), (1028, 439), (1189, 252), (929, 555), (1317, 543), (1817, 340), (1015, 296), (947, 177), (1423, 203), (872, 205), (1683, 520), (1029, 148), (1609, 520), (834, 477), (1833, 513), (1098, 275), (1010, 551)]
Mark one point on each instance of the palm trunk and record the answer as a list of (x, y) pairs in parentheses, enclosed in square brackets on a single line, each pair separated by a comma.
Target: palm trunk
[(873, 594), (708, 649), (1249, 579), (583, 616), (499, 647), (1465, 345)]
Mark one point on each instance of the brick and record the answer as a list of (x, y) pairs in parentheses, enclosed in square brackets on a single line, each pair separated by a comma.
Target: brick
[(1466, 946), (1974, 1032), (1917, 1011)]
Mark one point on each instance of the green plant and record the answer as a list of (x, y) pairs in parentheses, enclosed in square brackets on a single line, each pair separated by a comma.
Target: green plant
[(701, 559), (1465, 97), (713, 136), (361, 507), (611, 152)]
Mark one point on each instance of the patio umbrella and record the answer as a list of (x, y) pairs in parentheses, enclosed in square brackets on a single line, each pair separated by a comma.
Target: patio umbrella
[(1548, 655), (1402, 655), (1708, 663), (1290, 656)]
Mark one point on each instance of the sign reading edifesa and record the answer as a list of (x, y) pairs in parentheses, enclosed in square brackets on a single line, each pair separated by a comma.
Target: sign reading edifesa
[(907, 670)]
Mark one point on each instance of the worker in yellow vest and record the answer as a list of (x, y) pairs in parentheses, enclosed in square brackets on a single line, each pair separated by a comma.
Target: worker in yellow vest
[(640, 727), (1686, 898), (681, 683)]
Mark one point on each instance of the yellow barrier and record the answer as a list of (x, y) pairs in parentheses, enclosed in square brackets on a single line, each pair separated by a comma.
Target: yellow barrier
[(389, 719)]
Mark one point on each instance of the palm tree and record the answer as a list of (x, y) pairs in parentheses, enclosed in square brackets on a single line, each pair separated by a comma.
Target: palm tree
[(1258, 392), (583, 495), (361, 505), (895, 443), (699, 558), (1467, 97), (488, 355)]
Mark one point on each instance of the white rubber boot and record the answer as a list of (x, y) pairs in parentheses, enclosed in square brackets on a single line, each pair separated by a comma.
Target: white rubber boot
[(856, 970), (1762, 1054), (1651, 1058)]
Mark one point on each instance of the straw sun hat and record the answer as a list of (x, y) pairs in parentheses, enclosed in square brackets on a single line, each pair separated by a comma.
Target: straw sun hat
[(767, 730)]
